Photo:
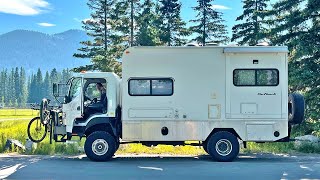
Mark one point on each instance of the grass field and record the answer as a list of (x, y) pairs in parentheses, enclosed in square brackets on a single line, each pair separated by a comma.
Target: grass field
[(17, 129), (17, 113)]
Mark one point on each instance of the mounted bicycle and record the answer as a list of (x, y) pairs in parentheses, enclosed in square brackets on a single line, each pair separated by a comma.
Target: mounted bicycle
[(39, 126)]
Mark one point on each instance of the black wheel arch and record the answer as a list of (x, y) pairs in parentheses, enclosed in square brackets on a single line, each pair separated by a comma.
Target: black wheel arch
[(102, 124), (215, 130)]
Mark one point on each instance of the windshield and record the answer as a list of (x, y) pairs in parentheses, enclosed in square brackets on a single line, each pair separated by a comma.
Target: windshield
[(75, 88)]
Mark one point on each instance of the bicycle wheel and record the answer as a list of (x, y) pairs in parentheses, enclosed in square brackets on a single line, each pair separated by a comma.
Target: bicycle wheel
[(36, 130)]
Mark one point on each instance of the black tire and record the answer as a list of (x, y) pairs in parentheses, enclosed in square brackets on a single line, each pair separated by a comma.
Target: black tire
[(223, 146), (40, 130), (205, 146), (117, 146), (100, 146), (296, 107)]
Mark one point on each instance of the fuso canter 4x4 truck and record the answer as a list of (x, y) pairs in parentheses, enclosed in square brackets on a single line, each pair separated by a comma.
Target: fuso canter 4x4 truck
[(209, 96)]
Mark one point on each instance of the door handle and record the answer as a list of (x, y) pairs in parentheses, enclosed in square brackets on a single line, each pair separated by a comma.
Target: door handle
[(78, 108)]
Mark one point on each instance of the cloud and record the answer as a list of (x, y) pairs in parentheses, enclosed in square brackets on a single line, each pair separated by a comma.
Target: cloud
[(220, 7), (44, 24), (77, 19), (24, 7)]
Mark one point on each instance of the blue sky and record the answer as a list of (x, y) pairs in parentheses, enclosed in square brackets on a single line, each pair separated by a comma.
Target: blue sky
[(54, 16)]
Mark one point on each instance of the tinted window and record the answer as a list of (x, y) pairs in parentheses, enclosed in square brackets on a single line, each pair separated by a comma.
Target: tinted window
[(267, 77), (139, 87), (151, 87), (162, 87), (256, 77), (244, 77)]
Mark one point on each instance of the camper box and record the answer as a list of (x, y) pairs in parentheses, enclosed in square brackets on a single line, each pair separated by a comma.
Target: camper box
[(184, 93)]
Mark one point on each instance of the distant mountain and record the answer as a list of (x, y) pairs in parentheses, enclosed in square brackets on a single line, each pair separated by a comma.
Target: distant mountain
[(33, 50)]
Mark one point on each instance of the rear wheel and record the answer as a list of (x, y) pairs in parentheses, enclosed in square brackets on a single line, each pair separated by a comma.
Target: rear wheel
[(223, 146), (36, 130), (100, 146)]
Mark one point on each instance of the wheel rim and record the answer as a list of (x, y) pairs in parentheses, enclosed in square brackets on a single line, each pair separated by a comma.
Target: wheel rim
[(224, 147), (100, 147)]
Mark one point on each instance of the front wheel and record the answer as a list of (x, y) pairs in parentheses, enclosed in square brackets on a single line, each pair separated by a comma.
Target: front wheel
[(205, 146), (100, 146), (223, 146), (36, 130)]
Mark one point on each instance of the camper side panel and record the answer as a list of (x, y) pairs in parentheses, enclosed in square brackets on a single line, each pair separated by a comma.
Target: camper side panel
[(197, 98)]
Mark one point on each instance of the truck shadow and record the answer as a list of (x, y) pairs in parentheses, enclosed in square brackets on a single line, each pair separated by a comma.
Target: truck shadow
[(257, 158)]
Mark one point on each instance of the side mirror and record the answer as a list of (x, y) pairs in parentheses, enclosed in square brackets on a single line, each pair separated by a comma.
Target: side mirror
[(59, 90)]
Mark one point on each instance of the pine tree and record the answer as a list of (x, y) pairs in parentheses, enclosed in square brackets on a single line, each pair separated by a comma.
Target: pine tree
[(65, 75), (288, 24), (38, 86), (31, 85), (98, 27), (251, 28), (54, 76), (148, 34), (172, 27), (209, 24), (4, 85), (296, 24), (33, 90), (23, 88), (46, 86), (2, 101), (304, 64), (134, 7), (120, 27), (11, 88), (17, 85)]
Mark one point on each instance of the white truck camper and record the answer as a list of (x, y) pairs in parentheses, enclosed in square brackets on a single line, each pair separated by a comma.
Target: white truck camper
[(214, 97)]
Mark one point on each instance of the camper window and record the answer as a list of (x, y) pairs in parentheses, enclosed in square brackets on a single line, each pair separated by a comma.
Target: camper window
[(139, 87), (255, 77), (162, 87), (151, 87)]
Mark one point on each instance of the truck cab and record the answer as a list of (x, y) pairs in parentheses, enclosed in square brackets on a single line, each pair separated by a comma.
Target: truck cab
[(82, 100)]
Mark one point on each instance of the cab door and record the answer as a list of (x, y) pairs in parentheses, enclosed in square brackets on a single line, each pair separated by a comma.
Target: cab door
[(74, 108)]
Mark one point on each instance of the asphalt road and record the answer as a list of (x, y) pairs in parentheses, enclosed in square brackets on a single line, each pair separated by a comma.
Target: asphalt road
[(253, 166)]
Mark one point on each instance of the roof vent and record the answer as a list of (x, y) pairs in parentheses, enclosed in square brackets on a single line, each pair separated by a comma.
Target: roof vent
[(212, 44), (263, 44), (192, 44)]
